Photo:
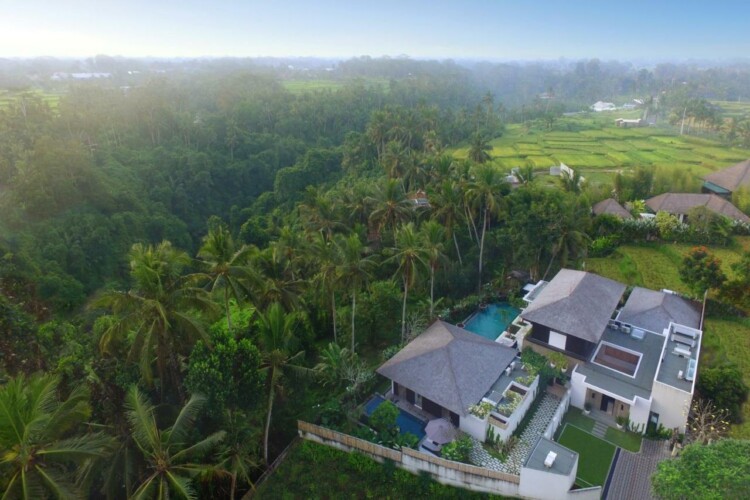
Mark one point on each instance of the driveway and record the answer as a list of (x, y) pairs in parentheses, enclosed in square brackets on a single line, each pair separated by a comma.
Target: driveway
[(631, 478)]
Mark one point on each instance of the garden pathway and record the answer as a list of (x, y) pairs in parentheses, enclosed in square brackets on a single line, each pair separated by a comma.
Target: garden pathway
[(599, 429), (520, 452), (631, 478)]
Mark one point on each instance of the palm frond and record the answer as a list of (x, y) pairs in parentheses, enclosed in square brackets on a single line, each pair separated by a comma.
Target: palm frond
[(95, 445), (182, 486), (200, 447), (185, 419), (58, 483), (140, 415)]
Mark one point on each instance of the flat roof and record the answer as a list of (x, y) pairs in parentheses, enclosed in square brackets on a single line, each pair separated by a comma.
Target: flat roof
[(564, 461), (618, 383), (674, 363)]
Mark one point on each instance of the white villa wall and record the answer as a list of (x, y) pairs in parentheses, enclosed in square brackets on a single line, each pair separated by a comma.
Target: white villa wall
[(671, 404), (474, 426), (639, 412), (577, 390), (517, 416), (557, 418), (545, 485)]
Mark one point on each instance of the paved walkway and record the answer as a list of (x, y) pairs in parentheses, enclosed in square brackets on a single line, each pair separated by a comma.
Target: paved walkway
[(631, 478), (521, 451), (599, 429)]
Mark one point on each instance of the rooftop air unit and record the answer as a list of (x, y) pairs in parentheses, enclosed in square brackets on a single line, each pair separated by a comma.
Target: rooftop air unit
[(508, 370), (551, 456)]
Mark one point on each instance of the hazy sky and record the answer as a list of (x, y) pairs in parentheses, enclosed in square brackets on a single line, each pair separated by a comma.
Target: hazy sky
[(489, 29)]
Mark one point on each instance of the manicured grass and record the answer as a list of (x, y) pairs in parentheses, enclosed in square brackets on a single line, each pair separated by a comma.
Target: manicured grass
[(594, 455), (628, 440), (574, 416), (312, 470)]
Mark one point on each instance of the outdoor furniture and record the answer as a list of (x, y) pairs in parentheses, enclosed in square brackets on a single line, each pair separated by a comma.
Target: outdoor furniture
[(440, 431)]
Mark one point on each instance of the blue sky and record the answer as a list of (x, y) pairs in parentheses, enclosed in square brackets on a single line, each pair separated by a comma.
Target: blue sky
[(476, 29)]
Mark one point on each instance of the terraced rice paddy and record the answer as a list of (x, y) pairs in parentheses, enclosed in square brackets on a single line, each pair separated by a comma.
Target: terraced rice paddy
[(599, 149)]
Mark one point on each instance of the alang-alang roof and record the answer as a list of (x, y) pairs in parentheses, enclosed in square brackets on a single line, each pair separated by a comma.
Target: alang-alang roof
[(449, 365), (576, 303)]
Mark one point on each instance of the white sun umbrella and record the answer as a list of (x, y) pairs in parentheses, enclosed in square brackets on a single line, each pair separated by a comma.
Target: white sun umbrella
[(440, 431)]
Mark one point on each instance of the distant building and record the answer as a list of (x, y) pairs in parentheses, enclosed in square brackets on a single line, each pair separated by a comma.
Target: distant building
[(599, 106), (679, 204), (610, 206), (625, 123), (419, 199), (726, 181)]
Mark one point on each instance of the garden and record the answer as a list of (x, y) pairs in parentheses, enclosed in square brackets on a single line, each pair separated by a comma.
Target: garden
[(595, 455)]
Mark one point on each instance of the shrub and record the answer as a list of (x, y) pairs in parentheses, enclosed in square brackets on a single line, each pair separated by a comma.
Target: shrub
[(481, 410), (725, 387), (458, 450), (604, 245), (511, 401)]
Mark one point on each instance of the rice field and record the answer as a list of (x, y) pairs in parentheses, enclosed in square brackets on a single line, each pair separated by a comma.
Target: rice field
[(599, 149), (8, 96)]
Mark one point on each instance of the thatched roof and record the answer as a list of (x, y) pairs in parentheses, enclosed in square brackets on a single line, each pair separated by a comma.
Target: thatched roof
[(731, 178), (449, 365), (682, 203), (576, 303), (654, 310), (610, 206)]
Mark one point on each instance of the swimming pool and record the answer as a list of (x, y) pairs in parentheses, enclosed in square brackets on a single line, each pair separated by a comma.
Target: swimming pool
[(406, 421), (491, 321)]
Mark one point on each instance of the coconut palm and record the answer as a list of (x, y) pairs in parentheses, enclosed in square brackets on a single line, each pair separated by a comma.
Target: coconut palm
[(432, 235), (277, 282), (410, 255), (167, 452), (486, 194), (276, 333), (157, 312), (327, 255), (225, 265), (448, 209), (479, 149), (355, 269), (40, 446), (391, 206)]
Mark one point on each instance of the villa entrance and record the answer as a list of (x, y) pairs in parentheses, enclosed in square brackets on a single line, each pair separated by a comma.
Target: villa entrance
[(607, 405)]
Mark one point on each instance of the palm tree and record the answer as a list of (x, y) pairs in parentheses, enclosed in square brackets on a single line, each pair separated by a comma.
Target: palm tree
[(447, 205), (156, 312), (479, 149), (432, 235), (276, 332), (410, 255), (328, 257), (39, 447), (277, 282), (355, 269), (391, 206), (167, 452), (225, 265), (334, 361), (486, 193), (570, 240)]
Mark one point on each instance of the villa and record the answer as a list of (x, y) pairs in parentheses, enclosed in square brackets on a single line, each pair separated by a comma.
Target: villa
[(680, 204), (636, 362), (448, 371), (727, 181)]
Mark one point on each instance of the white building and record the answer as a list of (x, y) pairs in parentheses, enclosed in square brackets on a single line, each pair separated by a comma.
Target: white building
[(638, 362)]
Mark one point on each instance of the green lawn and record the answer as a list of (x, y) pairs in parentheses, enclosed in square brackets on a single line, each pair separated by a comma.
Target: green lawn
[(628, 440), (574, 416), (594, 455), (312, 471)]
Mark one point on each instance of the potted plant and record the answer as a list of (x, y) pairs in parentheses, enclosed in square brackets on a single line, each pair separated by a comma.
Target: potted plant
[(586, 408), (621, 422)]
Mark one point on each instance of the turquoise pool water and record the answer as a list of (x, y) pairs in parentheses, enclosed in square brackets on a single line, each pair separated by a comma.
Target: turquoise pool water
[(493, 320), (406, 421)]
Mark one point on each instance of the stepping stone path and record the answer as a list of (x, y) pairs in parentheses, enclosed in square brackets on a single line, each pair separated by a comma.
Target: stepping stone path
[(518, 455)]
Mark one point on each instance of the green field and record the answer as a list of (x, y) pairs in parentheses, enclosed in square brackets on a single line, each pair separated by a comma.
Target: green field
[(7, 96), (734, 109), (656, 266), (594, 455), (301, 86), (598, 149)]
